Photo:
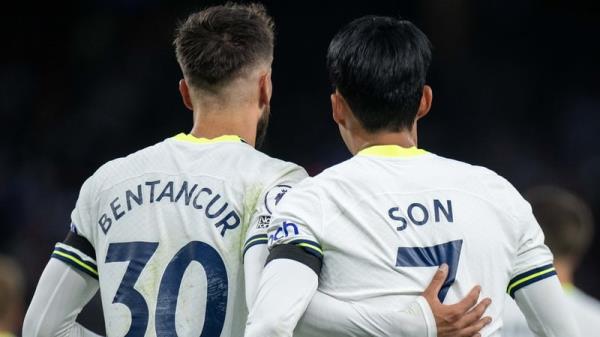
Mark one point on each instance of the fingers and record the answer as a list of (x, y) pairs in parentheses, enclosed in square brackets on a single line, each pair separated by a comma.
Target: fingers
[(437, 282), (468, 302), (474, 329), (474, 315)]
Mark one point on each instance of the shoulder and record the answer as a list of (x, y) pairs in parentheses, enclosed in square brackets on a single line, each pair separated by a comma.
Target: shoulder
[(118, 169), (467, 169), (269, 170), (329, 180), (481, 179)]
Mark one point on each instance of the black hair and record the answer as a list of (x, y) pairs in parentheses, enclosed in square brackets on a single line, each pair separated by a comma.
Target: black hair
[(219, 43), (379, 65)]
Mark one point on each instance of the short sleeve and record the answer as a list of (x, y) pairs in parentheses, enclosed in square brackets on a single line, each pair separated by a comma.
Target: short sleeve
[(299, 220), (269, 199), (77, 249), (533, 261)]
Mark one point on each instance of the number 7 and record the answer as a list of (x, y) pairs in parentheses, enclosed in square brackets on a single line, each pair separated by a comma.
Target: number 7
[(448, 253)]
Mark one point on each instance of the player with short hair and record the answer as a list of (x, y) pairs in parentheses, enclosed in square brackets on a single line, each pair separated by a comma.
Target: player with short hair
[(568, 224), (372, 229), (170, 234), (162, 231)]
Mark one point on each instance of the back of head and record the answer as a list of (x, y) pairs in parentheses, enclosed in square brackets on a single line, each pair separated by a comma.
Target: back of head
[(379, 65), (565, 219), (220, 43)]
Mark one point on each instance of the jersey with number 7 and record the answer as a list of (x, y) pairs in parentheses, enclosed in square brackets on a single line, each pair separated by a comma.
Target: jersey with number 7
[(385, 219)]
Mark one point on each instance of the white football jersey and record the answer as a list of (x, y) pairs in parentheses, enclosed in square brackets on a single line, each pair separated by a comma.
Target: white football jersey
[(384, 220), (585, 309), (164, 230)]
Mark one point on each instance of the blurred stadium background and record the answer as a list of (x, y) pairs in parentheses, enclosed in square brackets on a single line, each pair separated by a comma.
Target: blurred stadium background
[(516, 88)]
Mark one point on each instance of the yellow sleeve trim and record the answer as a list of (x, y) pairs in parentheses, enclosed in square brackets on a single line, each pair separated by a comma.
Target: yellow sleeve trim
[(308, 245), (78, 262), (530, 277)]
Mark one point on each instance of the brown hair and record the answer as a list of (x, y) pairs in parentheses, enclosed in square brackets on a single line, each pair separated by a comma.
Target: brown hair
[(219, 43)]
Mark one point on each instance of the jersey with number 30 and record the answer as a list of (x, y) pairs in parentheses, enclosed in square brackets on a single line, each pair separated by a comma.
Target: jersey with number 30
[(164, 231), (384, 220)]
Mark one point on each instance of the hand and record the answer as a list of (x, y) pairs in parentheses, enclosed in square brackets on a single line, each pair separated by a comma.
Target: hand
[(462, 319)]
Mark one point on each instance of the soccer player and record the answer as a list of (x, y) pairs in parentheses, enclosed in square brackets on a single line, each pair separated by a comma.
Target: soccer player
[(569, 226), (171, 233), (372, 229)]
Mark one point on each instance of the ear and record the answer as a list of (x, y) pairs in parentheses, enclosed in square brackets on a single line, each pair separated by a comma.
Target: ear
[(338, 109), (265, 90), (184, 90), (425, 104)]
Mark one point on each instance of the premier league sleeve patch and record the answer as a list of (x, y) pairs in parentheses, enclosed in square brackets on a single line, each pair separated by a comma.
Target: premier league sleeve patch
[(274, 196)]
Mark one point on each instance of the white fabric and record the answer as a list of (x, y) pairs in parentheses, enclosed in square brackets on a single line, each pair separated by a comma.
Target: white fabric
[(428, 315), (326, 316), (254, 262), (176, 192), (61, 294), (286, 291), (363, 210), (585, 310), (286, 288)]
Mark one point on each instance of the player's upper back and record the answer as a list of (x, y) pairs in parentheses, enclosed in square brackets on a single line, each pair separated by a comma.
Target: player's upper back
[(182, 179), (151, 214), (389, 216)]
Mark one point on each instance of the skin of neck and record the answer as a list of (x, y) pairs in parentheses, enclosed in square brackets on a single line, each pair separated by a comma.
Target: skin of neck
[(232, 109), (357, 138), (565, 269)]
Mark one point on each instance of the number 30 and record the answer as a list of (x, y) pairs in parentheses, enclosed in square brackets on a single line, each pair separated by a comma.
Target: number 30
[(138, 254)]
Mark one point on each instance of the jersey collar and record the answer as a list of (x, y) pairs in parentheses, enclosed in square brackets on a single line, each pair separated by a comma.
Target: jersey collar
[(568, 288), (221, 139), (391, 151)]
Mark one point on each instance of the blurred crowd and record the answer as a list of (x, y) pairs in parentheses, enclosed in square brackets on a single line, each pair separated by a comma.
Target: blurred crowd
[(515, 89)]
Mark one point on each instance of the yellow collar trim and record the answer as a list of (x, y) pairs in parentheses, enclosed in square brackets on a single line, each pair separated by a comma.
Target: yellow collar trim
[(391, 151), (568, 287), (220, 139)]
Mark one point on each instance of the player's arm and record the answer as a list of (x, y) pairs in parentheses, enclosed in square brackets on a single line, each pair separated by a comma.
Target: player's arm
[(69, 280), (546, 309), (287, 285), (254, 250), (60, 295), (426, 316), (290, 277), (290, 280), (534, 284), (538, 292)]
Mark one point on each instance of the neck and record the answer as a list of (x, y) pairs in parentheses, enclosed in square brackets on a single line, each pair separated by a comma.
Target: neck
[(564, 270), (405, 138), (214, 121)]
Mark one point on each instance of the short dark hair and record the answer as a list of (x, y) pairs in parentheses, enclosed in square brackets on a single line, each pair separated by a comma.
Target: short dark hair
[(379, 65), (219, 43), (566, 220)]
